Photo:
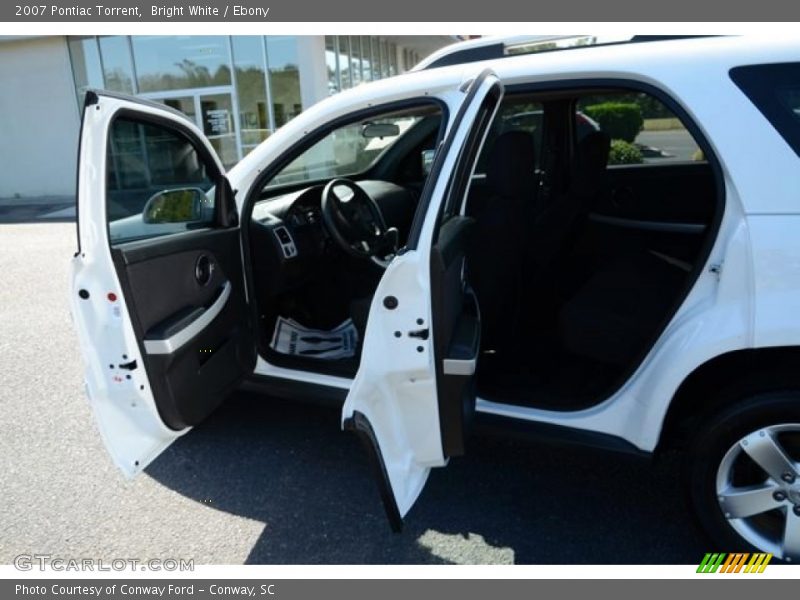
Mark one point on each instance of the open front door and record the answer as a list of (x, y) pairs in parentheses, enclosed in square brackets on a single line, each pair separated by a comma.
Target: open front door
[(157, 289), (413, 395)]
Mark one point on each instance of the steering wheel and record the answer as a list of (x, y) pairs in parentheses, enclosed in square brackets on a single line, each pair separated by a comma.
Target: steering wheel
[(354, 221)]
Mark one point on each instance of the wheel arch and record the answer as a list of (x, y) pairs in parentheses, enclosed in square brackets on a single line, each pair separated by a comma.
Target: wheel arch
[(722, 381)]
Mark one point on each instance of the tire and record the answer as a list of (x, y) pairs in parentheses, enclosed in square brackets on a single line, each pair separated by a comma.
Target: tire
[(725, 475)]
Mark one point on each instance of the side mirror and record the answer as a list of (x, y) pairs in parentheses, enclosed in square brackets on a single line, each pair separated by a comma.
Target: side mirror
[(379, 130), (183, 205), (427, 161)]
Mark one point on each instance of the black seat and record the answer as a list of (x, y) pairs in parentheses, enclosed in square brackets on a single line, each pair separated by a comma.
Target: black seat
[(556, 220), (497, 252), (620, 308)]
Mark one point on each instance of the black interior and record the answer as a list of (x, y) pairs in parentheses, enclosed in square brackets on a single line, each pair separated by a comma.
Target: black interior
[(576, 265), (322, 285), (608, 254)]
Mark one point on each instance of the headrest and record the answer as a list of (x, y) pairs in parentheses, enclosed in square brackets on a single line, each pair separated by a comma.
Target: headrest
[(512, 162), (591, 160)]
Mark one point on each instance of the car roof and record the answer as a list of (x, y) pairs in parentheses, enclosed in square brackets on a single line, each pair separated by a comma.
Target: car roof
[(492, 47), (668, 59)]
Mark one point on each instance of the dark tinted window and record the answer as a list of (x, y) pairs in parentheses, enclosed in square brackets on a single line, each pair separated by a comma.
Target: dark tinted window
[(775, 90)]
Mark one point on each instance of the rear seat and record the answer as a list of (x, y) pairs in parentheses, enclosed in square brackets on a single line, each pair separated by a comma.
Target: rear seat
[(620, 308)]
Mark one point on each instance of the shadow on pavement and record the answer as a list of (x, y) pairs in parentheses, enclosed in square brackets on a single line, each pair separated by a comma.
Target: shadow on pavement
[(290, 467), (37, 213)]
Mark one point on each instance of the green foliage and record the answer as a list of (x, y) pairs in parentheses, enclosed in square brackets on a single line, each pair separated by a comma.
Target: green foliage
[(624, 153), (620, 120)]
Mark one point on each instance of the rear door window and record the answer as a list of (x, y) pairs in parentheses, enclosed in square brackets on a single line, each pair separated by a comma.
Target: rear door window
[(642, 129)]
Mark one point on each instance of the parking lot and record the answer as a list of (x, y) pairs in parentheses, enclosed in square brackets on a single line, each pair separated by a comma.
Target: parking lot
[(272, 482)]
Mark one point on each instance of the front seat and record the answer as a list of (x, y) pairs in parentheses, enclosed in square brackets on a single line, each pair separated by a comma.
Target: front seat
[(497, 252)]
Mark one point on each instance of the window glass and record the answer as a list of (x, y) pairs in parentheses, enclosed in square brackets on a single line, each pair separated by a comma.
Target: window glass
[(515, 114), (641, 127), (86, 66), (344, 61), (378, 58), (156, 182), (284, 78), (351, 149), (393, 60), (251, 85), (386, 69), (180, 62), (216, 112), (368, 59), (355, 59), (331, 58), (117, 66), (775, 90)]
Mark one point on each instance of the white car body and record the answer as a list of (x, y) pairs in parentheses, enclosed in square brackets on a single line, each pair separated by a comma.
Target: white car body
[(747, 296)]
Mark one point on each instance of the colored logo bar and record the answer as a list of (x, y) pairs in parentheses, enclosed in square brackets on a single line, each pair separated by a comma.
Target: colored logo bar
[(736, 562)]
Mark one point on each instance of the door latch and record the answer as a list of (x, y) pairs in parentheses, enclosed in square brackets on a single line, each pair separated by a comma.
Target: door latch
[(420, 334)]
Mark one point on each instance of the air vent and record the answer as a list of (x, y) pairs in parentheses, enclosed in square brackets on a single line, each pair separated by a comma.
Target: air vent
[(286, 242)]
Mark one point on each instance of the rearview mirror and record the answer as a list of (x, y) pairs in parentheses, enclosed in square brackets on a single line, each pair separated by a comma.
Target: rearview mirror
[(379, 130), (183, 205)]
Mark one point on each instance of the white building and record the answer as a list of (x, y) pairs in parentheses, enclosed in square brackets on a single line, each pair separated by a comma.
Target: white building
[(238, 89)]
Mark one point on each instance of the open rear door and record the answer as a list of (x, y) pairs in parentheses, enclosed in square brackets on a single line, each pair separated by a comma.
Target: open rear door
[(413, 395), (157, 290)]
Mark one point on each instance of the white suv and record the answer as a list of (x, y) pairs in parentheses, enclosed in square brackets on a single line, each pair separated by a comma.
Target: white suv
[(598, 245)]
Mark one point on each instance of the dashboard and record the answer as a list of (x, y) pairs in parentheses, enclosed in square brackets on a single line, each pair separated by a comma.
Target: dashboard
[(289, 241)]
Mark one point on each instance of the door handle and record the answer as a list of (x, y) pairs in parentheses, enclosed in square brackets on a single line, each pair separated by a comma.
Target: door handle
[(178, 339)]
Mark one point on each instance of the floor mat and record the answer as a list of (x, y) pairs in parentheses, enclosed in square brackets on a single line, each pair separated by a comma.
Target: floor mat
[(294, 339)]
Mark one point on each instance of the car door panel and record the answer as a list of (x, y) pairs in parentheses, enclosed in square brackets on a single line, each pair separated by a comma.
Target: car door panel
[(664, 207), (413, 395), (456, 333), (166, 298), (162, 341)]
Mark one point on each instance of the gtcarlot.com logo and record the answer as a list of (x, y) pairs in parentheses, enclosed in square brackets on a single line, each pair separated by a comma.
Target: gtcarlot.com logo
[(737, 562), (42, 562)]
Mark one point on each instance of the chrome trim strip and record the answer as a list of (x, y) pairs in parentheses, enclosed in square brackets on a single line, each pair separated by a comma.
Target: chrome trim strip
[(669, 227), (175, 342)]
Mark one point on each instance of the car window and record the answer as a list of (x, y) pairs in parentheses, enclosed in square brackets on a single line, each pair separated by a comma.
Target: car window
[(775, 90), (642, 129), (514, 114), (353, 148), (156, 182)]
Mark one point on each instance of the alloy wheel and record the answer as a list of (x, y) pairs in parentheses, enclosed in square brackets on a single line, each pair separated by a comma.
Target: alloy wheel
[(758, 489)]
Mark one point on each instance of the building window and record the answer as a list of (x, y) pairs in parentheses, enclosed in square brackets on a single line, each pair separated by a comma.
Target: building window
[(344, 62), (86, 66), (355, 60), (368, 59), (251, 90), (115, 56), (332, 64), (393, 60), (181, 62), (284, 78)]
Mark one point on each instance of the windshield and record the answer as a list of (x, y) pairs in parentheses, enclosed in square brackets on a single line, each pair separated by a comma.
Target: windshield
[(351, 149)]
